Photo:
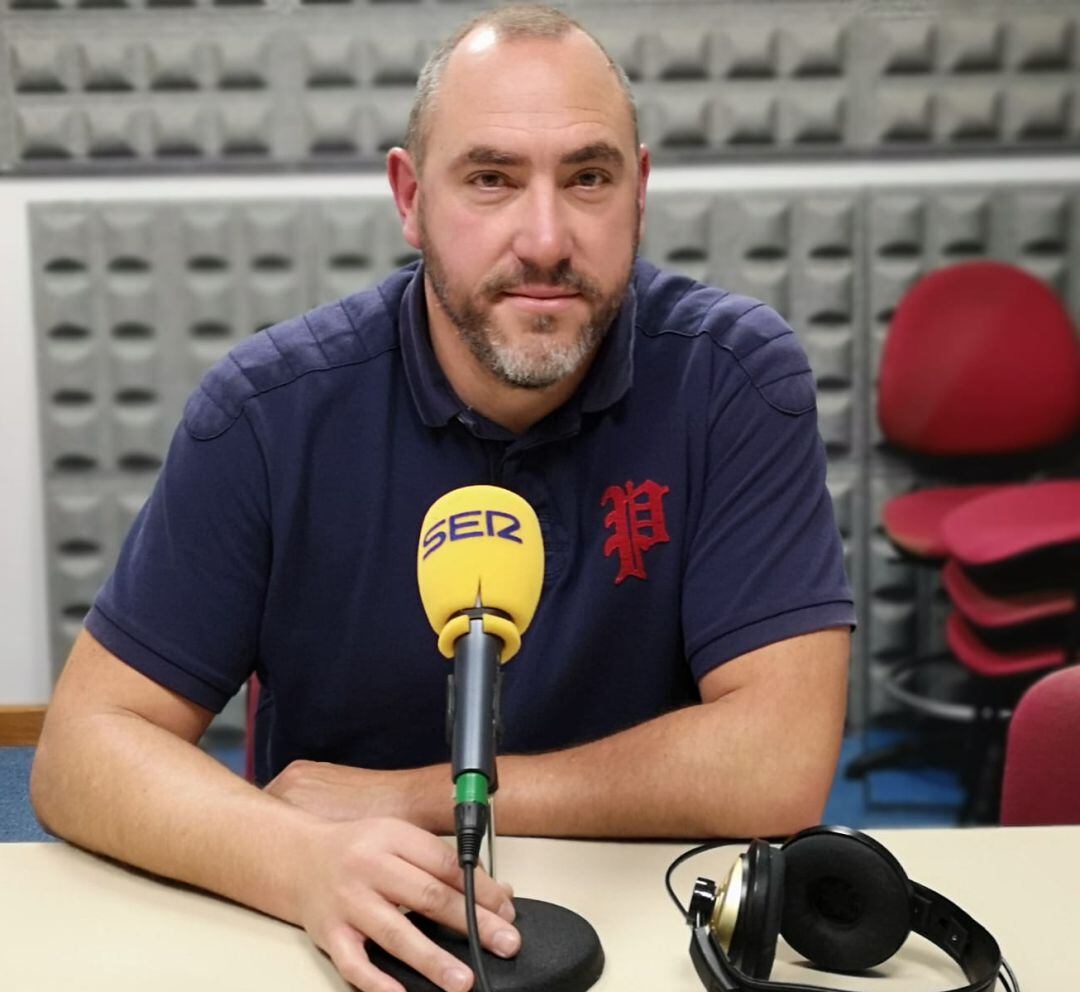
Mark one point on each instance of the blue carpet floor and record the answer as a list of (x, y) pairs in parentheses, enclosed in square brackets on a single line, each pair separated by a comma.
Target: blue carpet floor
[(910, 797), (17, 820)]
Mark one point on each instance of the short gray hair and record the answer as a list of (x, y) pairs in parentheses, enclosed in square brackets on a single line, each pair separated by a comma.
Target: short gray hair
[(516, 22)]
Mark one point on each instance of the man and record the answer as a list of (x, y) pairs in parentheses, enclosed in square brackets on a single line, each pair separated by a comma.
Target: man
[(685, 674)]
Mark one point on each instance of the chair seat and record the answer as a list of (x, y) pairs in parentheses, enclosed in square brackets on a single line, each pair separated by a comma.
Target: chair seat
[(989, 609), (1014, 521), (976, 655), (913, 521)]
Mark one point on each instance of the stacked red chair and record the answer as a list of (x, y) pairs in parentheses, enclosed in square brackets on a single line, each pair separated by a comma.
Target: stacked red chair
[(1013, 577)]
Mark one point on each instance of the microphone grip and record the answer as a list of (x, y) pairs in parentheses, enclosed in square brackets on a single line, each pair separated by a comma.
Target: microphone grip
[(476, 667)]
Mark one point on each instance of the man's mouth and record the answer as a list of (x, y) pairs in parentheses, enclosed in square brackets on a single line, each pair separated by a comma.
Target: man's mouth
[(540, 299), (541, 292)]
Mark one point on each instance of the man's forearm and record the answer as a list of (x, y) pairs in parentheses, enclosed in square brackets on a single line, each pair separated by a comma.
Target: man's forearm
[(135, 792), (748, 763), (674, 776), (758, 759), (702, 771)]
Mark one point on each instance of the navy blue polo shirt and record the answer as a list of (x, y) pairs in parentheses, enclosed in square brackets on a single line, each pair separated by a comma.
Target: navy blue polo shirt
[(681, 494)]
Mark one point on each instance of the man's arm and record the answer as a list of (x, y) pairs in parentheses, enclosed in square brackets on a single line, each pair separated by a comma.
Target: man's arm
[(117, 771), (755, 758)]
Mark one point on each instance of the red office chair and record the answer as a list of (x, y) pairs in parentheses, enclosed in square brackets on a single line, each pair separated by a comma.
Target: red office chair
[(980, 371), (981, 359), (1041, 784)]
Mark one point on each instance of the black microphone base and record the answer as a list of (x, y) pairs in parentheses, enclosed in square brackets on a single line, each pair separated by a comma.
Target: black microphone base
[(560, 952)]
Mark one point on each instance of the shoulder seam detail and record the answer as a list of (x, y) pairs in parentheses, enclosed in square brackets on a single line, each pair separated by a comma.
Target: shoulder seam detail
[(315, 338), (285, 358)]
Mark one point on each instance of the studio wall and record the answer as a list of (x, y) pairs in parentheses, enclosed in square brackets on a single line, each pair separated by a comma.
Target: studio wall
[(133, 296)]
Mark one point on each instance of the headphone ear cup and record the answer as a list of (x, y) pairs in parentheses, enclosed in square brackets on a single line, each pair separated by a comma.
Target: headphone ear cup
[(753, 941), (847, 903)]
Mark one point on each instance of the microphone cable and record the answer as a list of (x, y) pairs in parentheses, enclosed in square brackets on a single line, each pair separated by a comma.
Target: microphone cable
[(471, 821), (475, 950)]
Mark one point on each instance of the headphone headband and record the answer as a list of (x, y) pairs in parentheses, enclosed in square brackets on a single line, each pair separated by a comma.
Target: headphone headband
[(959, 935)]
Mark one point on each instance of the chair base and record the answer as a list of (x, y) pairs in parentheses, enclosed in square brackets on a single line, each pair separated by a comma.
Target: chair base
[(963, 729)]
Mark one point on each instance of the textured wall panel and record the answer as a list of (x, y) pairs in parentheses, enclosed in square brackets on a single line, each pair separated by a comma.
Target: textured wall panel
[(199, 84), (796, 252)]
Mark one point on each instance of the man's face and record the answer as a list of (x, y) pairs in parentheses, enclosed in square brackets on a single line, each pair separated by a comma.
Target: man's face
[(529, 203)]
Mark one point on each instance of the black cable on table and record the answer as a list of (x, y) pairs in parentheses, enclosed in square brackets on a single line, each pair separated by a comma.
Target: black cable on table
[(475, 950)]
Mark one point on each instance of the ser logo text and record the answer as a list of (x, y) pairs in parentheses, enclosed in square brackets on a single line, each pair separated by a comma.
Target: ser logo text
[(471, 523)]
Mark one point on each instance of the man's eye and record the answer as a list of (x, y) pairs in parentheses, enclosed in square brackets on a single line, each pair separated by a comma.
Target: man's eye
[(488, 180), (590, 178)]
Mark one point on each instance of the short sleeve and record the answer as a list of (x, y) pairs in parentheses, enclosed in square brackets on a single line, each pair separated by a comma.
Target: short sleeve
[(766, 562), (184, 604)]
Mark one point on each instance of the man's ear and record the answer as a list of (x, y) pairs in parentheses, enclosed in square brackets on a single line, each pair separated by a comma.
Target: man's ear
[(644, 164), (406, 188)]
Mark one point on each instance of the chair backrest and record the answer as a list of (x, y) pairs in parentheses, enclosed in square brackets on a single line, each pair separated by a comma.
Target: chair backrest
[(1042, 756), (980, 358)]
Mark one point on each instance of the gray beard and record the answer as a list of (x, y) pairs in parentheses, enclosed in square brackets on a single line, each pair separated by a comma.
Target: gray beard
[(524, 367)]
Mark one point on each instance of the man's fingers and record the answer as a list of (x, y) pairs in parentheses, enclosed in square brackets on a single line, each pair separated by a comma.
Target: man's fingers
[(375, 866), (398, 937), (346, 949), (409, 886), (437, 858)]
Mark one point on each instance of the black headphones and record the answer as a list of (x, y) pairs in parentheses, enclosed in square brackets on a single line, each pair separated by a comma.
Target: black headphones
[(839, 898)]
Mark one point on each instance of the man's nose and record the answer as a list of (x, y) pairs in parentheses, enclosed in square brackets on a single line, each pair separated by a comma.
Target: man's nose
[(543, 237)]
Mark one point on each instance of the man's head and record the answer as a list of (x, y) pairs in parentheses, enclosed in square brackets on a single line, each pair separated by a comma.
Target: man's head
[(518, 21), (523, 185)]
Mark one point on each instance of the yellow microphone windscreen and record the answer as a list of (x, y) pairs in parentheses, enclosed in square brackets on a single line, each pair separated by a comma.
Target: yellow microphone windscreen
[(480, 542)]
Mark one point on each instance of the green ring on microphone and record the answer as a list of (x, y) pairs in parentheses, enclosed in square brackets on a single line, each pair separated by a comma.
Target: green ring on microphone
[(471, 787)]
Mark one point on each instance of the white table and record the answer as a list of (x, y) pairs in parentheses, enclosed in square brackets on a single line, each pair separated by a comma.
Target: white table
[(71, 922)]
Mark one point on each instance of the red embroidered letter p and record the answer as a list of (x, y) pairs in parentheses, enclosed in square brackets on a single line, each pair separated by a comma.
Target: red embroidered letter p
[(637, 522)]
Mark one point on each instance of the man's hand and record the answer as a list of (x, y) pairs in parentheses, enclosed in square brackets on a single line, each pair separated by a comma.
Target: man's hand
[(421, 796), (358, 876)]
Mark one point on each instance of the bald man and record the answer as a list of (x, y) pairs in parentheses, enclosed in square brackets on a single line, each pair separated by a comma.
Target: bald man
[(685, 675)]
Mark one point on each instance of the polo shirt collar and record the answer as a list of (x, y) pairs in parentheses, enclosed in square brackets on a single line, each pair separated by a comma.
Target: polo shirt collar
[(607, 381), (435, 399)]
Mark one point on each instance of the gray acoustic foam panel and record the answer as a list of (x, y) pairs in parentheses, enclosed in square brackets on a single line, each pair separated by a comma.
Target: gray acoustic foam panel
[(133, 303), (183, 85), (134, 300)]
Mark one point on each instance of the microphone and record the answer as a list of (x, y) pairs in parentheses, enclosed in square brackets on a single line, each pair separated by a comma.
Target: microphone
[(480, 566)]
